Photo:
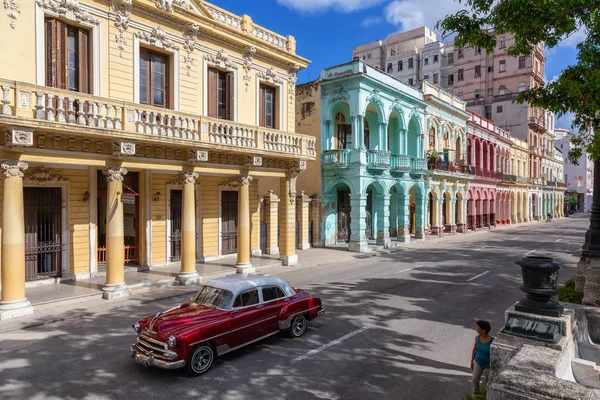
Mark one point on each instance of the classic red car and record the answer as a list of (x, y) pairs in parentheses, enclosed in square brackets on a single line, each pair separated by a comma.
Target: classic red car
[(226, 314)]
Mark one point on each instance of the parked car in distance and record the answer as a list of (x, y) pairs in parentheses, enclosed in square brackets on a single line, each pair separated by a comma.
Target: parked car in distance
[(226, 314)]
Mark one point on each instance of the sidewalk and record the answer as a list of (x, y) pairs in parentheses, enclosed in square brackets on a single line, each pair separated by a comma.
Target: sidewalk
[(54, 296)]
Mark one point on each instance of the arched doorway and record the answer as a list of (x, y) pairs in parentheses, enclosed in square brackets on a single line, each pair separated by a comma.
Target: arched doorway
[(343, 215)]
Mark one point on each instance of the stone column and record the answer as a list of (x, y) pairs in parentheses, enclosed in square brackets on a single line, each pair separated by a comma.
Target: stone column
[(383, 138), (315, 217), (287, 222), (243, 264), (421, 217), (272, 210), (13, 302), (115, 239), (382, 202), (452, 214), (358, 224), (404, 218), (302, 204), (404, 141), (188, 274)]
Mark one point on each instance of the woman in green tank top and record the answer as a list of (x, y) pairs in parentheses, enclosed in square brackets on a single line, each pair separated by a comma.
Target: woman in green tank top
[(480, 358)]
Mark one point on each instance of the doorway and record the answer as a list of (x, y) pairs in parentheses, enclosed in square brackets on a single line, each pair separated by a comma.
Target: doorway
[(43, 233), (343, 216), (229, 221)]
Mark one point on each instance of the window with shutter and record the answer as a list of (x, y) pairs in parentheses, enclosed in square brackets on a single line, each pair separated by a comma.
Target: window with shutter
[(67, 56), (267, 113), (154, 78), (220, 94)]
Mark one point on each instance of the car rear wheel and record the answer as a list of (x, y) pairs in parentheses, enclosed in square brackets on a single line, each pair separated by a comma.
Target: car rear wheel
[(201, 359), (298, 326)]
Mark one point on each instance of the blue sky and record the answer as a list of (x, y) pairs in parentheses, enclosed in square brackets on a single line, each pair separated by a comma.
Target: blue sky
[(326, 31)]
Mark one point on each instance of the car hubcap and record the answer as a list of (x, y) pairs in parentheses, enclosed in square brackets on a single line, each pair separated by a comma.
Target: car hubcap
[(202, 360), (299, 326)]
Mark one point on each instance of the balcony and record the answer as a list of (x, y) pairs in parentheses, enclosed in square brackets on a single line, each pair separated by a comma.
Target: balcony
[(339, 158), (418, 166), (378, 160), (539, 77), (451, 166), (537, 123), (506, 178), (400, 163), (87, 115), (537, 150), (556, 184), (523, 179)]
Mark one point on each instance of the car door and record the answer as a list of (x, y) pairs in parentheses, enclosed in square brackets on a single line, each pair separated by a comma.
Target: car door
[(247, 322), (274, 299)]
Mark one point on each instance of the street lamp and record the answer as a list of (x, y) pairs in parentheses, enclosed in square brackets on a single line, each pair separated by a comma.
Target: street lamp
[(591, 247)]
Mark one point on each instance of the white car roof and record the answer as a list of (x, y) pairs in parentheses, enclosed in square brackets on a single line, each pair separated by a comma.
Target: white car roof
[(238, 283)]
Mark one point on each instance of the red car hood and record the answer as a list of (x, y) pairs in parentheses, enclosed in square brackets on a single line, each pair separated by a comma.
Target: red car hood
[(182, 317)]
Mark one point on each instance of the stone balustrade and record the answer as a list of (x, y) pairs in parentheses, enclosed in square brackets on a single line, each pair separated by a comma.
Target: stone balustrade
[(378, 159), (24, 100), (336, 157), (400, 162), (418, 164)]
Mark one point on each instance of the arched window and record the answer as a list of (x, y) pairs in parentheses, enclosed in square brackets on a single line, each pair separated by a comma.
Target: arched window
[(366, 134), (432, 139), (342, 130), (447, 140)]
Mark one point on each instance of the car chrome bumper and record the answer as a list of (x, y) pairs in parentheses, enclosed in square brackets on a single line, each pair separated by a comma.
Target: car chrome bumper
[(148, 360), (321, 312)]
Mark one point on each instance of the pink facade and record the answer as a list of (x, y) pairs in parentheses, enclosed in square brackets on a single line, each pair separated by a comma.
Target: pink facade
[(488, 202)]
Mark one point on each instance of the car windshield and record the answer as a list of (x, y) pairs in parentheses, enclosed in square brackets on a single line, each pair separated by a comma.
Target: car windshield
[(214, 297)]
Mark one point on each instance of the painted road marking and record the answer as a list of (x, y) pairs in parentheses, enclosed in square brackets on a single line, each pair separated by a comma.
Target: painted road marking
[(407, 269), (557, 240), (481, 248), (529, 252), (478, 276), (328, 345), (515, 238)]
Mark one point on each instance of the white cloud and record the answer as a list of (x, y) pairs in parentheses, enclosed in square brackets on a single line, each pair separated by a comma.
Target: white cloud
[(574, 39), (565, 121), (371, 21), (410, 14), (316, 6)]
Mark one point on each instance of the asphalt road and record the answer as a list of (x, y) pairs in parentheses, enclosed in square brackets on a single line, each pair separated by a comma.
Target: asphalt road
[(398, 326)]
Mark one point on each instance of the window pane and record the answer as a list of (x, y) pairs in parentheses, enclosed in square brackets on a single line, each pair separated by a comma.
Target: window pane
[(159, 81), (143, 76), (72, 79), (159, 64), (250, 298), (268, 121), (269, 108), (159, 97), (143, 98)]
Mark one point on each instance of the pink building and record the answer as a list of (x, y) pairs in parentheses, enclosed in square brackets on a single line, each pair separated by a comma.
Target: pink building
[(488, 151)]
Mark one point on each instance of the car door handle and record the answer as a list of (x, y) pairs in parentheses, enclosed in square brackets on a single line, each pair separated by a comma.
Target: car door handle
[(259, 307)]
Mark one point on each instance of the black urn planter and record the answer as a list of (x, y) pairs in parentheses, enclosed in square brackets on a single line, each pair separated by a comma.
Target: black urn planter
[(540, 275)]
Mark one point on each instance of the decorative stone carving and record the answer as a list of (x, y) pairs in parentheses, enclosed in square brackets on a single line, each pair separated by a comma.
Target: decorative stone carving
[(292, 78), (114, 173), (147, 151), (41, 141), (236, 181), (169, 152), (248, 55), (183, 178), (16, 139), (270, 76), (13, 11), (157, 38), (158, 152), (123, 149), (72, 144), (24, 99), (70, 9), (257, 161), (295, 170), (99, 146), (338, 95), (223, 17), (245, 180), (85, 145), (13, 168), (167, 5), (221, 59), (197, 156), (122, 9), (41, 175), (375, 98), (190, 33)]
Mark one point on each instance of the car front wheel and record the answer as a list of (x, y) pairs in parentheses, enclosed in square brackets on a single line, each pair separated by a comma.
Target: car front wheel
[(298, 326), (201, 359)]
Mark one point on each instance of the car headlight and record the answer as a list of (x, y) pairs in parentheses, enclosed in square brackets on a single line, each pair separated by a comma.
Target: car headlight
[(171, 341), (137, 328)]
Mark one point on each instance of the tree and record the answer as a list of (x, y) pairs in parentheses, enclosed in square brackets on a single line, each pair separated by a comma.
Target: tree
[(577, 89)]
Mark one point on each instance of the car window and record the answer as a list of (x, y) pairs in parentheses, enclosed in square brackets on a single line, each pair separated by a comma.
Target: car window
[(272, 293), (246, 299)]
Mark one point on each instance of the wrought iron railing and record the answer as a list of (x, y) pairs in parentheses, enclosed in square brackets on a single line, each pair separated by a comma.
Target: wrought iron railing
[(451, 166)]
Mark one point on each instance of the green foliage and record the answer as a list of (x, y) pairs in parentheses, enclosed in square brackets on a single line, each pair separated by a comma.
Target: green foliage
[(532, 22), (434, 157), (567, 293), (476, 396), (571, 195)]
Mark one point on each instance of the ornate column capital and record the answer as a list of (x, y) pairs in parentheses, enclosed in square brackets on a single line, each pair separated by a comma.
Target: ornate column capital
[(244, 180), (114, 173), (14, 168), (189, 177)]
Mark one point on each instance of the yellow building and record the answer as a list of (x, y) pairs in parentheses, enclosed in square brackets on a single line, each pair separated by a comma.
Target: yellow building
[(137, 132), (519, 194)]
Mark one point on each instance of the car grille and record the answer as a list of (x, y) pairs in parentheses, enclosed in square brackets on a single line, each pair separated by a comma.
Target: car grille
[(146, 344)]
